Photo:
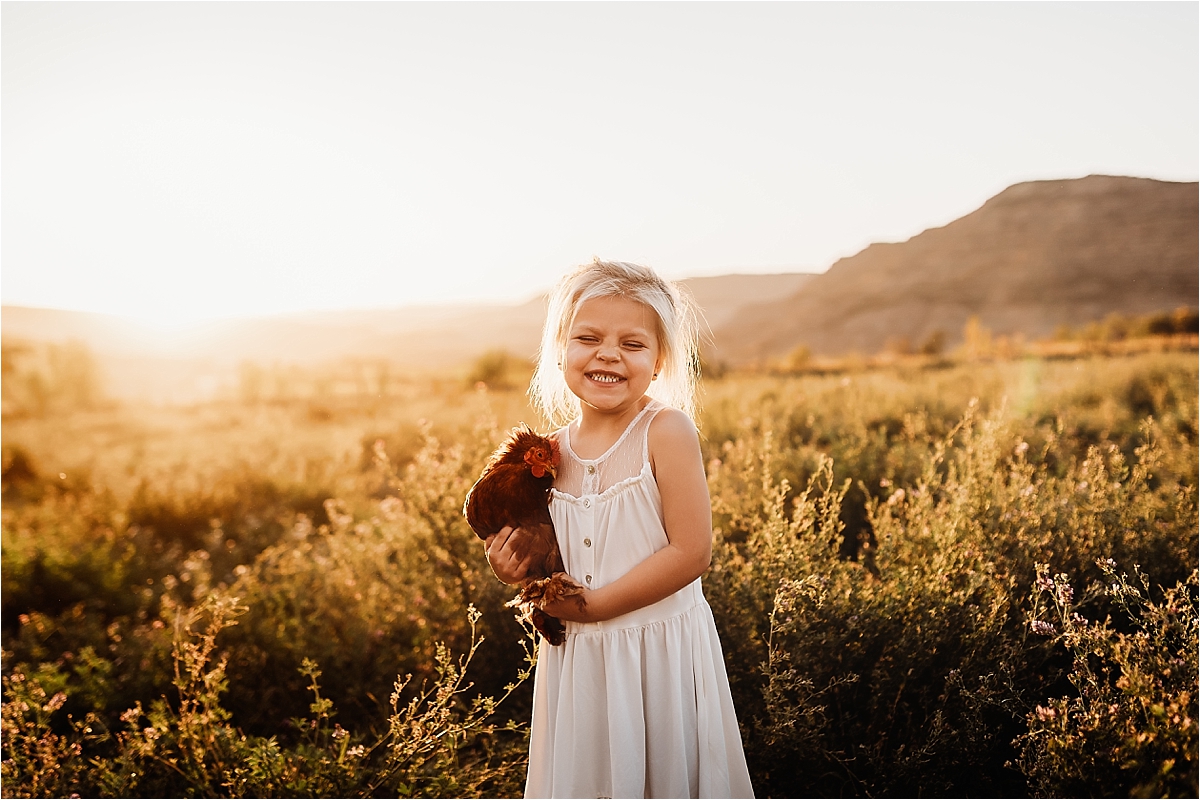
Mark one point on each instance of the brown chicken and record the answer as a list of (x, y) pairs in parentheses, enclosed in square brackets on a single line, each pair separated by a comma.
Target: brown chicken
[(514, 490)]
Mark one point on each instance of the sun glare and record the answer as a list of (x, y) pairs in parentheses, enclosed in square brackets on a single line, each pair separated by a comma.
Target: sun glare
[(166, 324), (164, 320)]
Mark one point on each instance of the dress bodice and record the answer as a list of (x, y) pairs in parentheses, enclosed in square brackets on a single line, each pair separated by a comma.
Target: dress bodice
[(628, 458)]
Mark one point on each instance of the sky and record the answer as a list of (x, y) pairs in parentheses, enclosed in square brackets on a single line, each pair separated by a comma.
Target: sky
[(175, 162)]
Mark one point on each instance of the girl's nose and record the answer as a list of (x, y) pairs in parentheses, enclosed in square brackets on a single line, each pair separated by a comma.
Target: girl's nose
[(608, 354)]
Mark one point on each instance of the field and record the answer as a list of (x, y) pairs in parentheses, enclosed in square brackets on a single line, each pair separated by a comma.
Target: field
[(961, 578)]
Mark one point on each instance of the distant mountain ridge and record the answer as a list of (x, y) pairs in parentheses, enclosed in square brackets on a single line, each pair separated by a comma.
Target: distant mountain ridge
[(414, 335), (721, 297), (1035, 256), (418, 337)]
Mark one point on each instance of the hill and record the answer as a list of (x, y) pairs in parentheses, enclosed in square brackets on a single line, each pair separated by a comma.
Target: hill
[(1035, 256), (723, 296), (446, 334), (140, 362)]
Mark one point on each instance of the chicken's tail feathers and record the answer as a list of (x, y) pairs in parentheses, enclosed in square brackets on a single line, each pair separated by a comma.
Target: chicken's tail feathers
[(550, 627)]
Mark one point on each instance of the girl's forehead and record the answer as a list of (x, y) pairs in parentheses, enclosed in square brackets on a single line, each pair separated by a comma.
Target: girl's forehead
[(616, 311)]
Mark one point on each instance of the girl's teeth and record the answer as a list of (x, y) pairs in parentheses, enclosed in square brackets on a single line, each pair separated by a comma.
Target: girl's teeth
[(605, 378)]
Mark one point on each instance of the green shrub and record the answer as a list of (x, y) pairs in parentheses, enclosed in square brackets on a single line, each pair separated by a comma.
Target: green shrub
[(876, 538), (434, 743), (907, 669), (1130, 721)]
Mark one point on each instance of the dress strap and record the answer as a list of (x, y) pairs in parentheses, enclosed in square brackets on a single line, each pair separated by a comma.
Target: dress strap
[(651, 411)]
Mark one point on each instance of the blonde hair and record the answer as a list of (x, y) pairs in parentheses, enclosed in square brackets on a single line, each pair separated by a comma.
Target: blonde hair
[(677, 321)]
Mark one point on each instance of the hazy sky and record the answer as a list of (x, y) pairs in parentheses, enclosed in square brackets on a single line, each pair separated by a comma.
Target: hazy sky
[(175, 161)]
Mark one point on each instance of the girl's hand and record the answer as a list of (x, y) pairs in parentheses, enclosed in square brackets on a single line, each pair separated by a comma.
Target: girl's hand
[(505, 563), (573, 608)]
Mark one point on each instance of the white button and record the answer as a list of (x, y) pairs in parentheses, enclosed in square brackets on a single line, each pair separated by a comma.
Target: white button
[(588, 578), (587, 542), (587, 503), (591, 468)]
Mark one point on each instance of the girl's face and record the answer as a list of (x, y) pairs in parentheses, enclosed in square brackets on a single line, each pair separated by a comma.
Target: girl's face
[(612, 353)]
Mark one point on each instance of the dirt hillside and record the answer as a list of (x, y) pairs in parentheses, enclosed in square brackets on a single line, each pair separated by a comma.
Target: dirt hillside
[(1035, 256)]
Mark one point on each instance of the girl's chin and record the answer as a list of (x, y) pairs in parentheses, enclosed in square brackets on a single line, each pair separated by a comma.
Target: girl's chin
[(610, 402)]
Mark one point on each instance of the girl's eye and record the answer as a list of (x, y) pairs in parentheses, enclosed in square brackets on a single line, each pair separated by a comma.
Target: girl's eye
[(635, 345)]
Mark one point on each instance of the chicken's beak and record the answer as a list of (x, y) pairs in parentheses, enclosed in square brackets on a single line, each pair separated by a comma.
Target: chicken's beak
[(552, 470)]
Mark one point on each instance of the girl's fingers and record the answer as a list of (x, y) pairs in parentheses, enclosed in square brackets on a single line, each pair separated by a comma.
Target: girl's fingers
[(501, 536), (521, 563), (494, 544)]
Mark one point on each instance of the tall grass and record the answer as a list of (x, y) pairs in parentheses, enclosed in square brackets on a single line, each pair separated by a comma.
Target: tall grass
[(977, 579)]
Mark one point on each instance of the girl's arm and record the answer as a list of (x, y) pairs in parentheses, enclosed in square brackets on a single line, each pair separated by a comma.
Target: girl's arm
[(687, 515)]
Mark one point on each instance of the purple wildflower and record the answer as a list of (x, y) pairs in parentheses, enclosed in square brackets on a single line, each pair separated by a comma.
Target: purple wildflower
[(1041, 627)]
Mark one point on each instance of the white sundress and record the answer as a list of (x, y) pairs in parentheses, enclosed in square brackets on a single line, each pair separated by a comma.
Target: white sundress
[(638, 705)]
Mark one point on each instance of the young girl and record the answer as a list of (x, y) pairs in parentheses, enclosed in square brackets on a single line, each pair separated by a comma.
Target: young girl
[(636, 702)]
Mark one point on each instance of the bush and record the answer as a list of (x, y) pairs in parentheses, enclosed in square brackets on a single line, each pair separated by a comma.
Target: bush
[(907, 668), (499, 370), (434, 744), (1131, 720), (877, 536)]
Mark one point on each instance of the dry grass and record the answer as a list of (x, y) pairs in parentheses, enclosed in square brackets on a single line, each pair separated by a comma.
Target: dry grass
[(887, 539)]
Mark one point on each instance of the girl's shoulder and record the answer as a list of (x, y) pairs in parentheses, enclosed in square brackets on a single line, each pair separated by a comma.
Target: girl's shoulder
[(671, 428)]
